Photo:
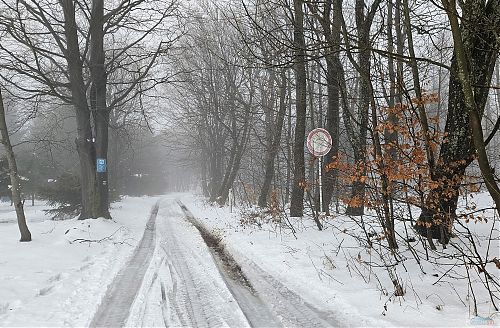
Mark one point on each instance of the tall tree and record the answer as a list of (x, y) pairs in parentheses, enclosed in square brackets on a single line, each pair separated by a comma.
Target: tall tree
[(297, 197), (68, 62), (364, 19), (391, 135), (15, 181), (464, 76), (85, 141), (275, 142), (329, 19), (479, 29), (98, 101), (333, 71)]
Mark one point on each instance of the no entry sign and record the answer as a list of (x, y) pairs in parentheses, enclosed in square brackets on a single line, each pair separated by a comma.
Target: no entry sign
[(319, 142)]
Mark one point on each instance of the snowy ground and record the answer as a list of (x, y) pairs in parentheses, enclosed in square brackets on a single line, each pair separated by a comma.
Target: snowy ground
[(312, 278), (185, 287), (57, 280), (326, 269)]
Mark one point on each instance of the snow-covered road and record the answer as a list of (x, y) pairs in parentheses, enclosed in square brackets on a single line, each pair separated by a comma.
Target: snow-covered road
[(179, 276), (120, 295), (187, 283)]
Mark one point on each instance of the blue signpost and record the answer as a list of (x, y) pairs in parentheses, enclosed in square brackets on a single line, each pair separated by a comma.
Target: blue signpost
[(101, 165)]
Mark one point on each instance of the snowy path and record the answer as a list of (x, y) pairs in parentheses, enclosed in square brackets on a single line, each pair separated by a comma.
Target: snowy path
[(176, 279), (270, 303), (115, 306), (183, 286)]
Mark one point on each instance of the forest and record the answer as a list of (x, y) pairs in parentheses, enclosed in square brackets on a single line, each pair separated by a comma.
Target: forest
[(220, 96)]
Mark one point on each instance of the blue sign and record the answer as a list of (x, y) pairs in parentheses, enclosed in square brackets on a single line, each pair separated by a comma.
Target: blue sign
[(101, 165)]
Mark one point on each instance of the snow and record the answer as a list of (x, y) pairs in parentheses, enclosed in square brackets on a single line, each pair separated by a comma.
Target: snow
[(182, 269), (326, 269), (57, 279), (60, 278)]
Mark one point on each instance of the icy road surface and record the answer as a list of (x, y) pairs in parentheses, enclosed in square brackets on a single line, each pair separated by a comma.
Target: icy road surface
[(175, 279)]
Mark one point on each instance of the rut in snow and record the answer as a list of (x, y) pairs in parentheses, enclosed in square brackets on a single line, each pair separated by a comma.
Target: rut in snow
[(115, 306), (264, 300), (196, 296)]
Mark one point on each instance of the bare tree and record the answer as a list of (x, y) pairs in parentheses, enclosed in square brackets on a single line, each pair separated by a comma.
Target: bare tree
[(275, 142), (464, 76), (479, 30), (297, 197), (68, 61), (14, 176), (364, 20), (329, 19)]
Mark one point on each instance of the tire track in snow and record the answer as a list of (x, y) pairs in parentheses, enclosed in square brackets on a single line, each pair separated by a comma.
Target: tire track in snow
[(115, 305), (197, 294), (292, 309), (256, 312), (258, 293)]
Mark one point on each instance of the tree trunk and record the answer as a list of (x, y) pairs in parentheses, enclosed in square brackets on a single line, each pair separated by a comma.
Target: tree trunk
[(391, 135), (359, 140), (236, 157), (297, 198), (275, 144), (14, 177), (98, 103), (215, 170), (333, 71), (470, 102), (422, 115), (289, 155), (85, 141), (478, 30), (357, 208), (204, 183)]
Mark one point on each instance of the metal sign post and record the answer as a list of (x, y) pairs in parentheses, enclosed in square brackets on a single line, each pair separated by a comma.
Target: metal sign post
[(320, 166), (231, 200), (319, 143)]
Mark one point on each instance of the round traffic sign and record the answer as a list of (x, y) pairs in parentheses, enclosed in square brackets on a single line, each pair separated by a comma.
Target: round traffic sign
[(319, 142)]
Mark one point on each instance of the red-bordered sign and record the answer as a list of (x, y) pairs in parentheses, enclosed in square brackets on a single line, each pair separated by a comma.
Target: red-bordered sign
[(319, 142)]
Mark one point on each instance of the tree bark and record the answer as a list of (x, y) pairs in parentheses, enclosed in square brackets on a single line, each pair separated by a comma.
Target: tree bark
[(479, 30), (275, 144), (99, 107), (363, 25), (85, 141), (297, 198), (332, 30), (470, 102), (289, 167), (391, 135), (14, 177)]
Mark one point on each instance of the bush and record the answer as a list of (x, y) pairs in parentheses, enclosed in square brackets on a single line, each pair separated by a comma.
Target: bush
[(63, 194)]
